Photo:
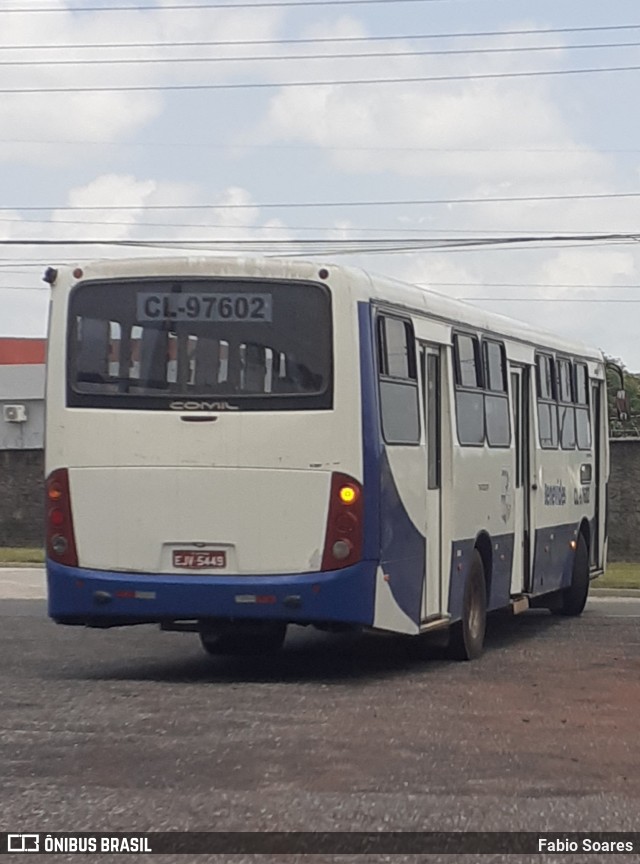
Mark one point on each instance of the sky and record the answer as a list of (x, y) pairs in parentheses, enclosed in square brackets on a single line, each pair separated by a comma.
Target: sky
[(245, 126)]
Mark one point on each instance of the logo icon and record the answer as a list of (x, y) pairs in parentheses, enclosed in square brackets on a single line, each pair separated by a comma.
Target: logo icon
[(23, 843)]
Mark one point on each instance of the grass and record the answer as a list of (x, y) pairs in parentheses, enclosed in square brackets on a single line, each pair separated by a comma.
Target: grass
[(11, 555), (618, 575)]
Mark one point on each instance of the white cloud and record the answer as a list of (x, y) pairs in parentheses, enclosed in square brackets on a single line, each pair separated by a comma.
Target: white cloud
[(454, 131), (104, 117), (426, 140), (467, 139)]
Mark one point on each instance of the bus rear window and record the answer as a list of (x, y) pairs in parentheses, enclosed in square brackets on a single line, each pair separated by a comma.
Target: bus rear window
[(254, 345)]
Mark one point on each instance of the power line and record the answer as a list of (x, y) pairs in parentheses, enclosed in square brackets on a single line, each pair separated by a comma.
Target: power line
[(262, 85), (547, 299), (320, 39), (393, 244), (246, 4), (562, 285), (211, 145), (541, 245), (361, 229), (587, 196), (358, 250), (138, 61)]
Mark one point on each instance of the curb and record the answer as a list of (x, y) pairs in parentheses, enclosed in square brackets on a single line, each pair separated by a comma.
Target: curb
[(19, 565)]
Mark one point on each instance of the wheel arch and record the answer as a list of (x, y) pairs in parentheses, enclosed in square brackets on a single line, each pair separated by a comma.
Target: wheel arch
[(585, 529), (485, 547)]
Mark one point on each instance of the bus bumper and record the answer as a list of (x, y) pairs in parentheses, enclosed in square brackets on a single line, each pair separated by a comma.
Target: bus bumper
[(98, 598)]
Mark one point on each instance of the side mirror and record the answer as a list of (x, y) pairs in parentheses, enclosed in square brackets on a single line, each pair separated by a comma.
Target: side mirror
[(622, 404)]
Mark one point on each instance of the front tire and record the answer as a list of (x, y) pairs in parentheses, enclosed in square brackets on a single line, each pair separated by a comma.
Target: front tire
[(243, 639), (574, 598), (466, 637)]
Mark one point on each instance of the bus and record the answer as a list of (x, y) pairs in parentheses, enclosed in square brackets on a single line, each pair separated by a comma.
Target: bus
[(234, 445)]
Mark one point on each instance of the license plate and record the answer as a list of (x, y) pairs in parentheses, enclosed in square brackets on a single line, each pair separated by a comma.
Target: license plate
[(188, 560)]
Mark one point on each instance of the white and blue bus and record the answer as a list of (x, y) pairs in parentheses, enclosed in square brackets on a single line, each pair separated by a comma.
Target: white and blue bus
[(235, 445)]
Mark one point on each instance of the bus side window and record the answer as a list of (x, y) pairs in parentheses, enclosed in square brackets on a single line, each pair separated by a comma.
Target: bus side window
[(496, 399), (566, 412), (398, 381), (583, 420), (469, 394), (547, 406)]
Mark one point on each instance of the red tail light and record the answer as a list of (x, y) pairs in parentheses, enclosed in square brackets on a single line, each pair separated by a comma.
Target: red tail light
[(343, 541), (61, 542)]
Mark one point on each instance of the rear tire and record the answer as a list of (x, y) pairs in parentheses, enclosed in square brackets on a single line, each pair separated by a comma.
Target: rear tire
[(243, 639), (574, 598), (466, 637)]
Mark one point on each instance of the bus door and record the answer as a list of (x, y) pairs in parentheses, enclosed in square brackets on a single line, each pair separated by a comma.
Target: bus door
[(433, 603), (522, 546), (596, 420)]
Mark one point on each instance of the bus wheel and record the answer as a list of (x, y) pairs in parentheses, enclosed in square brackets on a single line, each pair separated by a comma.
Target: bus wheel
[(466, 637), (244, 639), (574, 597)]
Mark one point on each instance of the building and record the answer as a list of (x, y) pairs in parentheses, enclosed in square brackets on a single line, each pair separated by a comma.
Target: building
[(22, 383)]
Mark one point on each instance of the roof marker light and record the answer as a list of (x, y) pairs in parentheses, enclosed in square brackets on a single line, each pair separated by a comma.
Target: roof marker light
[(50, 275)]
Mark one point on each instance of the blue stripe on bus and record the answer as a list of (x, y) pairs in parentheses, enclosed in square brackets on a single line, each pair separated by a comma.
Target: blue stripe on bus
[(501, 571), (461, 554), (94, 595), (402, 547), (552, 566), (389, 532), (553, 558), (371, 435), (499, 579)]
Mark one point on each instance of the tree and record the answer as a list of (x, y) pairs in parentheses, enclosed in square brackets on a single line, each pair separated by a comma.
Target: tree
[(623, 428)]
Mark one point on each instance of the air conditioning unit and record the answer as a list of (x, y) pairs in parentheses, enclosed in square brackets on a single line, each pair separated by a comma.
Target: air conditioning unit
[(14, 413)]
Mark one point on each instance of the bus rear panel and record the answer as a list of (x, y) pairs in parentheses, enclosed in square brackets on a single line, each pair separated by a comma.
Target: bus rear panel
[(204, 451)]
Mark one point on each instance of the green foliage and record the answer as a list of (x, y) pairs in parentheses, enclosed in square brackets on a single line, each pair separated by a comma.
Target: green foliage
[(630, 427)]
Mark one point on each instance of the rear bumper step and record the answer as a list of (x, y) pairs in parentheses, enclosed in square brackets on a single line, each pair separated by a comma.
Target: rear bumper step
[(107, 599)]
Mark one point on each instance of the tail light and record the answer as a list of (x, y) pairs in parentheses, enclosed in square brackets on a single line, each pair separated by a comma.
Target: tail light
[(61, 543), (343, 541)]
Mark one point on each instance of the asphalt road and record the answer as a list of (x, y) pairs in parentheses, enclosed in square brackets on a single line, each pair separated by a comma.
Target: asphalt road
[(134, 729)]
